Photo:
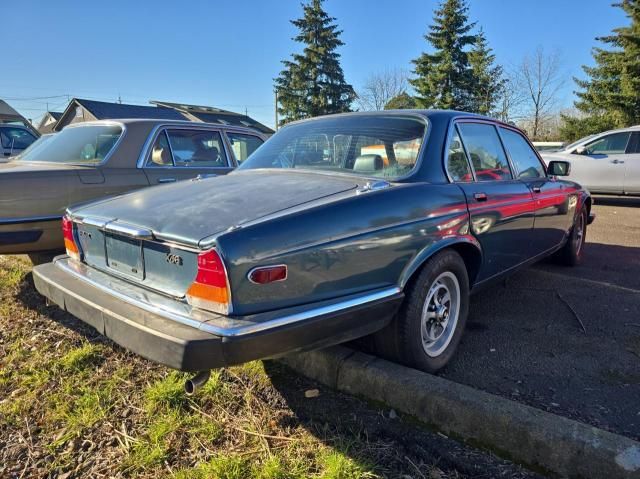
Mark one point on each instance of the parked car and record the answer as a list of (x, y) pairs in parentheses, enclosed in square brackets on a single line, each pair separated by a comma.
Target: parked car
[(36, 144), (606, 163), (92, 160), (311, 242), (14, 139), (548, 146)]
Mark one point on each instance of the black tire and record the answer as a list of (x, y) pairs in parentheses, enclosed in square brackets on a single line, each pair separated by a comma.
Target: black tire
[(572, 252), (402, 340)]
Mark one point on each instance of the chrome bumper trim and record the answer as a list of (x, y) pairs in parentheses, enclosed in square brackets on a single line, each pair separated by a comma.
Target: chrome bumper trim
[(218, 325)]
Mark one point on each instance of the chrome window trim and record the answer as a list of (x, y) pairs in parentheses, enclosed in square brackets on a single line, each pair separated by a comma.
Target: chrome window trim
[(204, 321), (151, 139)]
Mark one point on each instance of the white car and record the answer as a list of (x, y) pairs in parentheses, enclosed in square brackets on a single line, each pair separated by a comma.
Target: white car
[(608, 162)]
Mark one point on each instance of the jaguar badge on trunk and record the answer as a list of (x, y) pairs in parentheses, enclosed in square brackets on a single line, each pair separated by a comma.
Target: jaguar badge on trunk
[(174, 259)]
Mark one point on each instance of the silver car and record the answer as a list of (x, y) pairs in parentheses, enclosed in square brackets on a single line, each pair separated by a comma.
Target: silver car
[(606, 163)]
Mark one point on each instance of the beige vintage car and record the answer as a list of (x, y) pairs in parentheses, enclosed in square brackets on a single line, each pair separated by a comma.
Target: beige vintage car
[(92, 160)]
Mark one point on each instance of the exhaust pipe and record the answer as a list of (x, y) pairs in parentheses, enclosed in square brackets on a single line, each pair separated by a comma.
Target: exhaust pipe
[(196, 382)]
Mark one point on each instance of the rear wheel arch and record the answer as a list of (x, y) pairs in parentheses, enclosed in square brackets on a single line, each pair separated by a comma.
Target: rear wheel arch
[(468, 250)]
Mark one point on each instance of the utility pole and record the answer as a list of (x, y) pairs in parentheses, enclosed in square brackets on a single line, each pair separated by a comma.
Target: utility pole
[(276, 92)]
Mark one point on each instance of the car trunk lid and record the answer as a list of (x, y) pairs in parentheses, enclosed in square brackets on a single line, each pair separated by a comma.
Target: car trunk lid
[(153, 237)]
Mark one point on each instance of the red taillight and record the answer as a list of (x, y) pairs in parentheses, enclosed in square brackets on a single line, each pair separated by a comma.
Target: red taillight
[(268, 274), (210, 290), (69, 239)]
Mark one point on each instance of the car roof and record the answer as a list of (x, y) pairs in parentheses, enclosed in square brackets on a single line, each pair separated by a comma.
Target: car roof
[(152, 122), (432, 115)]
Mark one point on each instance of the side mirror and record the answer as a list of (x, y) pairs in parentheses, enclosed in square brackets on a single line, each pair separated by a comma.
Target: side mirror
[(581, 150), (558, 168)]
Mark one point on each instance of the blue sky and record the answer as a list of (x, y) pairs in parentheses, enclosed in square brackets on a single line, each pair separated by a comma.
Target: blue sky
[(226, 54)]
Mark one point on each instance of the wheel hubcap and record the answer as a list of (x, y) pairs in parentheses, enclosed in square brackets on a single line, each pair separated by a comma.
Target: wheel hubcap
[(440, 314)]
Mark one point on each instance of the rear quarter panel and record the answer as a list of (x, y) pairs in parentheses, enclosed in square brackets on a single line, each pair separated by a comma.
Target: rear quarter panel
[(353, 245)]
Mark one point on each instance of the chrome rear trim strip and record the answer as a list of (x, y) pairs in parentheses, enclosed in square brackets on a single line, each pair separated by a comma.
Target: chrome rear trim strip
[(209, 322)]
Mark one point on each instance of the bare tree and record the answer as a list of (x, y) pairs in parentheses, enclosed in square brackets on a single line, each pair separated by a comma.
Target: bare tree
[(540, 81), (381, 87), (510, 100)]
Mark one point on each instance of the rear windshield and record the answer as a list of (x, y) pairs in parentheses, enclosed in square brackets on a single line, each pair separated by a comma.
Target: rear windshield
[(371, 146), (78, 144)]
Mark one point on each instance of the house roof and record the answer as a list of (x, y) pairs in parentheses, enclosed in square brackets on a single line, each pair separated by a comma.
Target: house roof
[(210, 114), (109, 111), (48, 122)]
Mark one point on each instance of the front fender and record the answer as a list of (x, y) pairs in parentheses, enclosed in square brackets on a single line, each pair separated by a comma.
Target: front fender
[(467, 242)]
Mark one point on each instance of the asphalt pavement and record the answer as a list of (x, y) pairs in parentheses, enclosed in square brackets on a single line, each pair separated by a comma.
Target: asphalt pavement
[(566, 340)]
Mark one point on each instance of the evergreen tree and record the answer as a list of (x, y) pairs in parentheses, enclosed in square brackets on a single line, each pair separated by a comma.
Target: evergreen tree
[(312, 83), (610, 97), (403, 101), (487, 81), (444, 76)]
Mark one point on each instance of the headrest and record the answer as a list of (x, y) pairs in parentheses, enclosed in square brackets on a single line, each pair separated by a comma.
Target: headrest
[(368, 163), (161, 156)]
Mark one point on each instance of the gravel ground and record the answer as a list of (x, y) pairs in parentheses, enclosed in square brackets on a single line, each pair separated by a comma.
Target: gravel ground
[(525, 338)]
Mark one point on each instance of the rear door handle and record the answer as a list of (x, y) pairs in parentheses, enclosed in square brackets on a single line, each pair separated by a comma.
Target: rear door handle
[(617, 162), (480, 196), (166, 180), (536, 189)]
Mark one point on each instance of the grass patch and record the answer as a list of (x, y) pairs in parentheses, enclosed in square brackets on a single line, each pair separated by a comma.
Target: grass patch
[(166, 393), (81, 358)]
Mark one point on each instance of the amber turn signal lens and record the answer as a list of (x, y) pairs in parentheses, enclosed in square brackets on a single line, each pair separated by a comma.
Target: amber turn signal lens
[(69, 239)]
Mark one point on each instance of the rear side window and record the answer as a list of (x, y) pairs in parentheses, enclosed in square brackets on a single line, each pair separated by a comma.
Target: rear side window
[(457, 164), (522, 155), (487, 156), (86, 144), (614, 144), (243, 145), (197, 148)]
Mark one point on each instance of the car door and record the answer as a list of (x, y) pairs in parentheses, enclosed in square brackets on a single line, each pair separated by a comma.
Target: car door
[(182, 153), (501, 207), (554, 200), (600, 167), (632, 165)]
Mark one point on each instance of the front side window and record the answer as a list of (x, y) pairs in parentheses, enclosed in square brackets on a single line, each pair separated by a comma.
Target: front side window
[(614, 144), (88, 144), (522, 155), (375, 146), (243, 145), (487, 156), (15, 138), (457, 164), (197, 148)]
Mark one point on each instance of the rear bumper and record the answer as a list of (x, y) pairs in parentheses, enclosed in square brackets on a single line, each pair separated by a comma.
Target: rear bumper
[(144, 323)]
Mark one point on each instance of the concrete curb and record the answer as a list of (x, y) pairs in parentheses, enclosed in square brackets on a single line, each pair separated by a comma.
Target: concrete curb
[(536, 438)]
